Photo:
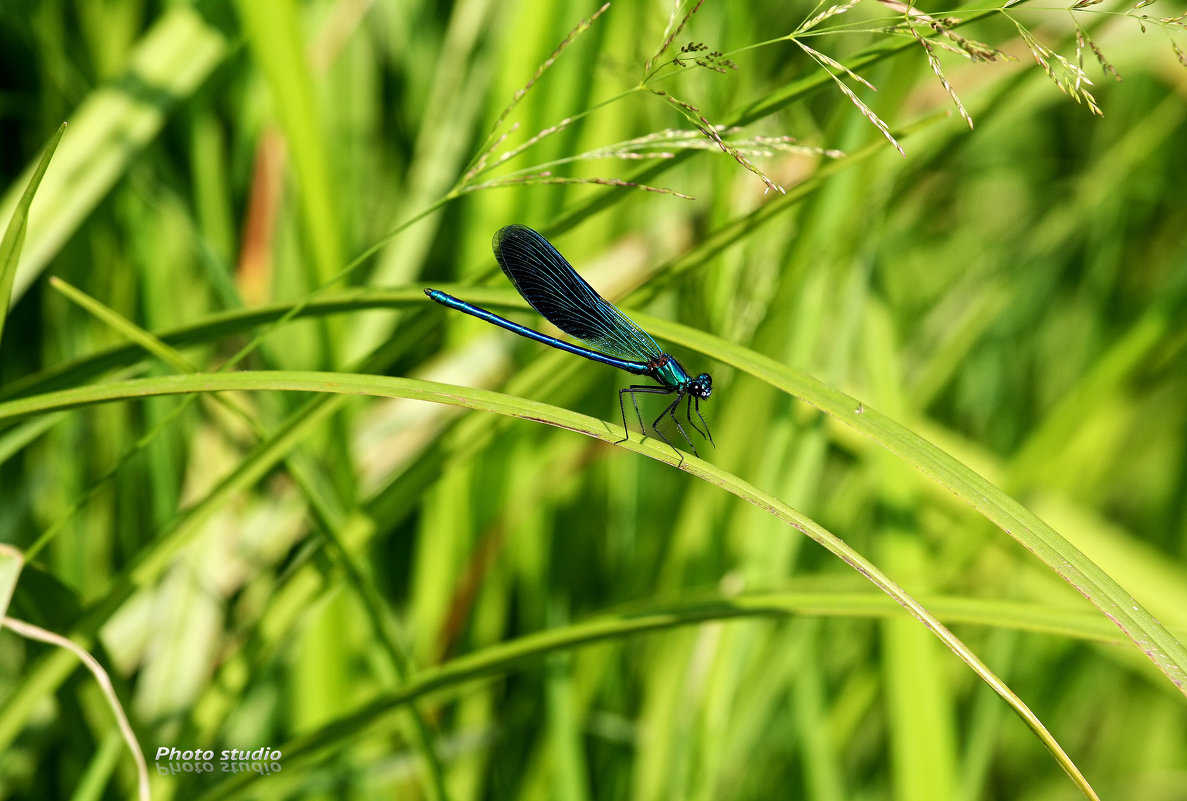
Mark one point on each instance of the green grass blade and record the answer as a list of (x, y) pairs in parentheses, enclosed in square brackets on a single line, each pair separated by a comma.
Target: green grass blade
[(121, 325), (504, 658), (14, 235), (1167, 653), (11, 563), (114, 124), (1067, 561), (15, 440), (210, 329), (484, 400)]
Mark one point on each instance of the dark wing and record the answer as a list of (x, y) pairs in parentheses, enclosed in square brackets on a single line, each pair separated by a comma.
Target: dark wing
[(557, 292)]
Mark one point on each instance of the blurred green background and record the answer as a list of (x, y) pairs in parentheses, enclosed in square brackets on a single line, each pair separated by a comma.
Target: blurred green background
[(274, 569)]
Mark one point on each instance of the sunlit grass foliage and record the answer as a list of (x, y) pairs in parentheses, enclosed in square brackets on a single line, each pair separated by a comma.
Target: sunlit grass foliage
[(257, 493)]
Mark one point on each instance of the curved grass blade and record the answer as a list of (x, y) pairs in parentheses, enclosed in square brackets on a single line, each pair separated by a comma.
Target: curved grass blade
[(106, 687), (14, 234), (209, 329), (1067, 561), (1064, 558), (532, 410), (502, 658)]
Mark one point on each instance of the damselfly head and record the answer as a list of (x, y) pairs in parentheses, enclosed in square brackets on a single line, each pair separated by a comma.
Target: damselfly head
[(701, 386)]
